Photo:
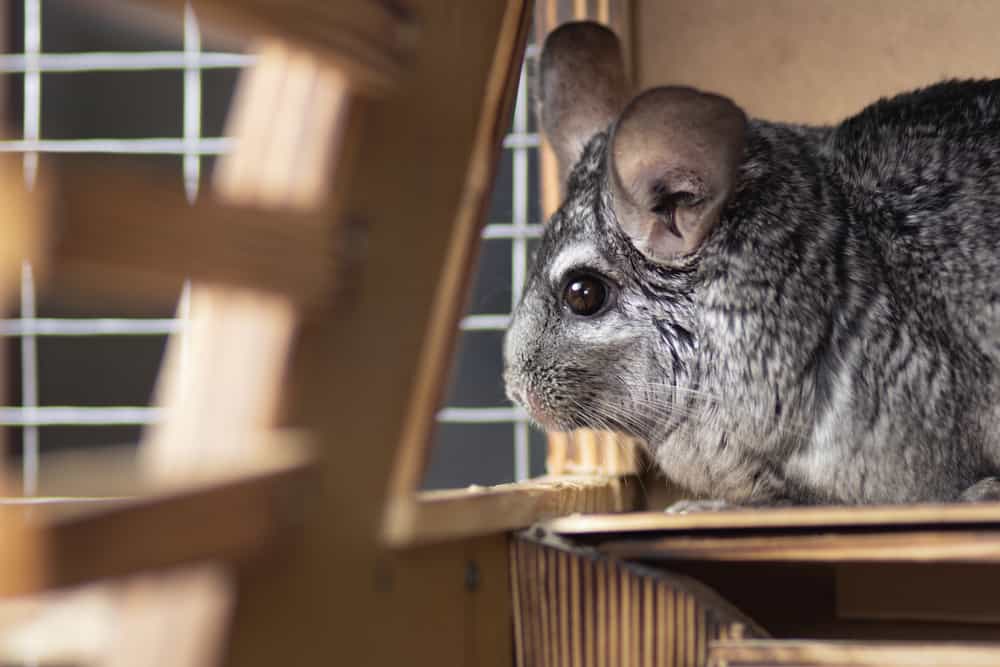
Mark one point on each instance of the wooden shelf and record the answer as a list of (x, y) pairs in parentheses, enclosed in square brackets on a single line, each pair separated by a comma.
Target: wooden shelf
[(438, 515), (59, 542), (774, 653), (839, 517), (960, 533)]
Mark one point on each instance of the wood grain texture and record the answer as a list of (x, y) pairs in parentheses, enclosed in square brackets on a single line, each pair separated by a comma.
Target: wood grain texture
[(234, 517), (631, 616), (438, 515), (962, 546), (354, 376), (143, 246), (222, 378), (774, 653), (789, 518)]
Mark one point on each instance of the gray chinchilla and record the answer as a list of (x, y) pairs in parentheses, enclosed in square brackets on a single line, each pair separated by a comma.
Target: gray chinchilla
[(783, 314)]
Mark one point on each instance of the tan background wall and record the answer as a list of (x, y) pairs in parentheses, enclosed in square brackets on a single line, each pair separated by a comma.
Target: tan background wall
[(814, 61)]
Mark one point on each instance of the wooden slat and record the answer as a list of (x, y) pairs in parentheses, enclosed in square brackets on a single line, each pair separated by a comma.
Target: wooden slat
[(775, 653), (354, 376), (370, 40), (144, 245), (911, 546), (222, 377), (437, 515), (832, 517), (463, 244), (624, 622), (132, 622), (70, 543)]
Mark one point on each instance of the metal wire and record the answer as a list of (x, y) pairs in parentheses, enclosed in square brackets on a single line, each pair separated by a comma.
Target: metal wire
[(192, 148)]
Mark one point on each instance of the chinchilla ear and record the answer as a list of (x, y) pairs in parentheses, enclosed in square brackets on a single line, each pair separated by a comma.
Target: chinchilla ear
[(582, 87), (673, 156)]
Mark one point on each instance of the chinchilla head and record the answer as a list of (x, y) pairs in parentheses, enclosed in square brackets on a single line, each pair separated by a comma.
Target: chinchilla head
[(605, 331)]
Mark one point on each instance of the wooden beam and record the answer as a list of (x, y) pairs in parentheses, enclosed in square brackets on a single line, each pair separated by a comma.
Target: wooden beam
[(372, 42), (422, 185), (440, 515), (963, 546), (222, 377), (69, 543), (802, 653), (144, 245)]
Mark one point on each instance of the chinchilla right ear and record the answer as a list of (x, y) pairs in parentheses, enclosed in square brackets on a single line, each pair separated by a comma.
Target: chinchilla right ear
[(582, 88)]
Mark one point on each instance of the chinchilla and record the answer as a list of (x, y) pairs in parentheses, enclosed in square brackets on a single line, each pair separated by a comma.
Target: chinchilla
[(781, 313)]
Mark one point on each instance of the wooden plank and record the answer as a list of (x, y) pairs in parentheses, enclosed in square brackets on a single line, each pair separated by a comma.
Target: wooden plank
[(371, 41), (439, 515), (768, 653), (71, 543), (354, 374), (133, 622), (222, 377), (456, 274), (832, 517), (146, 244), (963, 546)]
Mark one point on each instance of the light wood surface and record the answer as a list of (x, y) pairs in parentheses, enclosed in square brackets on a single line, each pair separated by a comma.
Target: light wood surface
[(145, 245), (223, 374), (928, 515), (439, 515), (575, 608), (355, 375), (68, 542), (964, 546), (775, 653)]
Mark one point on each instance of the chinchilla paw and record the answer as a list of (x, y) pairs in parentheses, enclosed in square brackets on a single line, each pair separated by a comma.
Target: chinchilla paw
[(984, 491), (692, 506)]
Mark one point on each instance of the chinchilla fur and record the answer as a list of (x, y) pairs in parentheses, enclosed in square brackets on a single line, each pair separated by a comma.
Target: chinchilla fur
[(834, 337)]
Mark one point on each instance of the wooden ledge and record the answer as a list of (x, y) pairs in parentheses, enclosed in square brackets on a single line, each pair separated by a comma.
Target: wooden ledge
[(774, 653), (441, 515), (60, 542), (956, 514), (882, 547)]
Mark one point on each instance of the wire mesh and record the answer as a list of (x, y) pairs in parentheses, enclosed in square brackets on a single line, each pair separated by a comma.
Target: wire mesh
[(193, 147)]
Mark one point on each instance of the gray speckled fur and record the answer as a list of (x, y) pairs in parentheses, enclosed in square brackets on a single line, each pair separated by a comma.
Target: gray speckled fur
[(843, 318)]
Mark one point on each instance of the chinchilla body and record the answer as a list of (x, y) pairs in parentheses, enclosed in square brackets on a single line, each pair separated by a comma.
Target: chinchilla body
[(781, 313)]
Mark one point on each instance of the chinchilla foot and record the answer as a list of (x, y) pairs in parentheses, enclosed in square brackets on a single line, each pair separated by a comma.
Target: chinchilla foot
[(692, 506), (984, 491)]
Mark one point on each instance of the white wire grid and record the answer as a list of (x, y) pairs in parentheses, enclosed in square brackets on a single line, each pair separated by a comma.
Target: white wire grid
[(192, 147)]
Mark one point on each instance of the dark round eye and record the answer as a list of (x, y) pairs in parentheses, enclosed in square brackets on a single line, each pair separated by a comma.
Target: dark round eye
[(585, 295)]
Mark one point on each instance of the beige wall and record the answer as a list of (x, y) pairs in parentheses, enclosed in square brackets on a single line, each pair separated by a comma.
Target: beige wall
[(813, 60)]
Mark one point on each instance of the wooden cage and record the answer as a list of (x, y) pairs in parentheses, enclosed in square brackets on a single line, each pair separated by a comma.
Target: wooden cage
[(275, 516)]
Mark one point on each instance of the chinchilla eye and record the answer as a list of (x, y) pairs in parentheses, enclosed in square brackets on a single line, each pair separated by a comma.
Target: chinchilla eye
[(585, 295)]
